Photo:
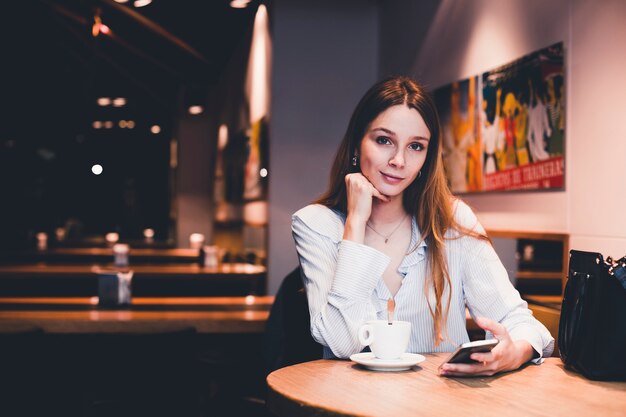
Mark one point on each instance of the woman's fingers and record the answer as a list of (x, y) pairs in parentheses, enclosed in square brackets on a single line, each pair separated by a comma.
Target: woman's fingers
[(497, 329), (357, 182), (379, 195), (506, 356), (466, 369), (483, 357)]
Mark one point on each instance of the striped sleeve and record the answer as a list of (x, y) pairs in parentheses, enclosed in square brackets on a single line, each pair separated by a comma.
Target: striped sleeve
[(489, 292), (339, 277)]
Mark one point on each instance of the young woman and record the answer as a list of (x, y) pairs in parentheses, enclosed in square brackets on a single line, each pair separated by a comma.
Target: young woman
[(389, 227)]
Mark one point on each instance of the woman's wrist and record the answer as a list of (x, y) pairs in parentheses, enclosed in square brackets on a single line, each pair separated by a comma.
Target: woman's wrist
[(354, 229), (525, 351)]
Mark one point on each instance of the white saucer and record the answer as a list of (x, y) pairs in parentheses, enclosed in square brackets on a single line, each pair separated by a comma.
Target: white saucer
[(406, 361)]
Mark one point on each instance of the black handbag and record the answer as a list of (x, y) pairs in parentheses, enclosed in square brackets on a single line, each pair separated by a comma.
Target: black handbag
[(592, 327)]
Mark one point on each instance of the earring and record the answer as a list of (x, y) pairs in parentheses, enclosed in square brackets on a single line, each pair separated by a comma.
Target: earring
[(354, 160), (419, 174)]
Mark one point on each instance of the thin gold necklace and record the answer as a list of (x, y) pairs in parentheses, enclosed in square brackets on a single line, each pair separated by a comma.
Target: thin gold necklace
[(392, 232)]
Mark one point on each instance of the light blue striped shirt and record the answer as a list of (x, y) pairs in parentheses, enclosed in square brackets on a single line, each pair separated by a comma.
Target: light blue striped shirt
[(345, 288)]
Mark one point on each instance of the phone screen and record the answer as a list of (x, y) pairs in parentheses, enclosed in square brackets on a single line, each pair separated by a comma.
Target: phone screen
[(462, 353)]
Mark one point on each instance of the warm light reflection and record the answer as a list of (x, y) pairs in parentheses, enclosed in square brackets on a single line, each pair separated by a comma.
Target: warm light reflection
[(122, 248), (156, 129), (148, 233), (42, 241), (95, 29), (103, 101), (104, 29), (60, 233), (119, 102), (97, 124), (249, 300), (130, 124), (195, 110), (239, 4), (255, 213), (222, 137), (112, 237), (96, 169), (142, 3), (258, 76), (122, 123), (173, 153), (108, 124)]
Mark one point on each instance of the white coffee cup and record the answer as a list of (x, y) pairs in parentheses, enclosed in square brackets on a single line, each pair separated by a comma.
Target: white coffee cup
[(386, 341), (196, 240), (211, 256)]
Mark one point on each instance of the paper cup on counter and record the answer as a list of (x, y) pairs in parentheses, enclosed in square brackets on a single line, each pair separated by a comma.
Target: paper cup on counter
[(120, 254), (196, 240)]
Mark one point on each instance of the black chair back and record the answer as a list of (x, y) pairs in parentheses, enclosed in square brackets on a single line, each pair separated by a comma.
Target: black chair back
[(288, 337)]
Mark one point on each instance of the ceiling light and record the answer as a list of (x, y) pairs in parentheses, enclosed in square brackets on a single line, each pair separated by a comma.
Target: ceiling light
[(263, 172), (119, 102), (103, 101), (121, 1), (97, 124), (108, 124), (104, 29), (195, 110), (96, 169), (142, 3), (239, 4), (123, 124), (156, 129), (130, 124)]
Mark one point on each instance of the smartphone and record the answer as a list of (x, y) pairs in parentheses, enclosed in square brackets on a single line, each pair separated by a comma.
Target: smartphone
[(463, 352)]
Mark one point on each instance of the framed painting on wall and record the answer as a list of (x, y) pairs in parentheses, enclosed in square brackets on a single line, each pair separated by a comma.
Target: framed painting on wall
[(505, 129)]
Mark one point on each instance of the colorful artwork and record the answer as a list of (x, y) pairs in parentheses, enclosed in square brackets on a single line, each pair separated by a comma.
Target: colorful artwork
[(505, 129)]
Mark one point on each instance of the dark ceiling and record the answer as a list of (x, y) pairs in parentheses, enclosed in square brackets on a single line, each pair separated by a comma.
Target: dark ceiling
[(55, 69)]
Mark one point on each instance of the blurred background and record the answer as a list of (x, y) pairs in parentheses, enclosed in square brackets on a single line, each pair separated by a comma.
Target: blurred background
[(234, 174), (113, 114)]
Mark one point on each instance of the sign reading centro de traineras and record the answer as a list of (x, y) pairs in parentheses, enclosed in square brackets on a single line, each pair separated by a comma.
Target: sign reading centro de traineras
[(505, 129)]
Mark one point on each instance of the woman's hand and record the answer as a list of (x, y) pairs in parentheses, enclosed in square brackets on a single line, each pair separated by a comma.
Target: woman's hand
[(360, 194), (508, 355)]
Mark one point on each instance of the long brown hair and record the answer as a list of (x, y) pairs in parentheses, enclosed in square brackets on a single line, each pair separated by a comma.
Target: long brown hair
[(428, 198)]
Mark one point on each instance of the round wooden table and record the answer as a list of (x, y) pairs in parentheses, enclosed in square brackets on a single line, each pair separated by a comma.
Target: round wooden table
[(340, 387)]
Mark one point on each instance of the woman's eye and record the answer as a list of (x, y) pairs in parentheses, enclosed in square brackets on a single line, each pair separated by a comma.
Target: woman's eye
[(416, 146), (383, 140)]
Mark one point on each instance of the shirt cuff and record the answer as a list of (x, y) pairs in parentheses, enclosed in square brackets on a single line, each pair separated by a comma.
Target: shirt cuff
[(529, 335), (359, 267)]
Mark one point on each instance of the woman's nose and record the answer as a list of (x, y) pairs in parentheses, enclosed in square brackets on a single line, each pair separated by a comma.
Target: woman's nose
[(398, 159)]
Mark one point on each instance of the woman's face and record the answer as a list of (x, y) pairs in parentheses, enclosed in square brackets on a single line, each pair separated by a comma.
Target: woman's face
[(394, 149)]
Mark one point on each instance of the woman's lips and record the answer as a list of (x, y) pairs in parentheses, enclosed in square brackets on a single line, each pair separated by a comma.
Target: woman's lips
[(390, 179)]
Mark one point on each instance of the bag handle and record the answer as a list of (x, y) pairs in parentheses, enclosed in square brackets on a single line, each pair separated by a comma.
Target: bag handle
[(617, 269)]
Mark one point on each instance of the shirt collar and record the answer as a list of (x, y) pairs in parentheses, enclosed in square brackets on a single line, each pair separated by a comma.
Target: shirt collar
[(417, 248)]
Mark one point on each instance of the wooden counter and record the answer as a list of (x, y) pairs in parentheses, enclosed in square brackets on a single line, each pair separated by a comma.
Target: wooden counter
[(159, 280), (82, 315)]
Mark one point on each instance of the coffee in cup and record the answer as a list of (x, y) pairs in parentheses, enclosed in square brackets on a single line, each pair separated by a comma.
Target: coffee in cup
[(386, 341)]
